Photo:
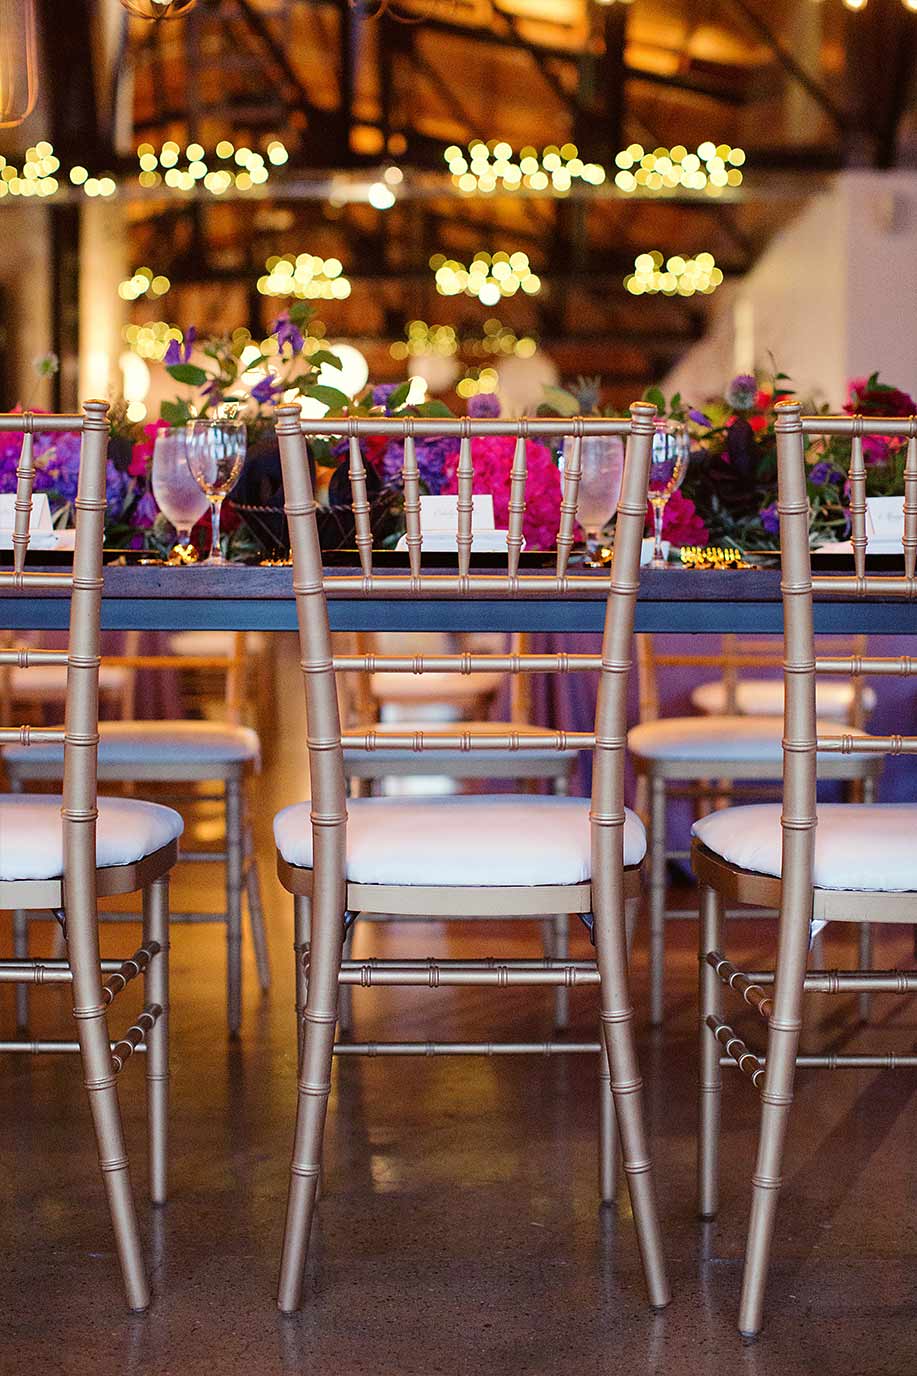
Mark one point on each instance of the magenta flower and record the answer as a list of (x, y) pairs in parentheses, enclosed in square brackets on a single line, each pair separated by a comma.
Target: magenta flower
[(492, 458)]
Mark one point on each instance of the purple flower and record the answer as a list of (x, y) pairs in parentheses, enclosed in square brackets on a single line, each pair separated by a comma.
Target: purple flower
[(770, 520), (145, 512), (822, 473), (431, 461), (180, 353), (699, 418), (381, 394), (267, 390), (742, 392), (484, 406), (287, 333), (212, 392)]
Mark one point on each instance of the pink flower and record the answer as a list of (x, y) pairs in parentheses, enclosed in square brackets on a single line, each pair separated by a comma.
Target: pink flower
[(681, 525), (142, 452), (492, 457)]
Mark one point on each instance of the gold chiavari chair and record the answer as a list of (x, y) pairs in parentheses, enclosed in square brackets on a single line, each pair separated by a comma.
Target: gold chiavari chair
[(62, 853), (709, 758), (744, 694), (414, 702), (467, 854), (841, 862), (177, 754)]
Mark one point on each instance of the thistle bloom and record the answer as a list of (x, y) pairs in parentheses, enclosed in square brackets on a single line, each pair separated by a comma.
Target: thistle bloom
[(742, 392), (484, 406)]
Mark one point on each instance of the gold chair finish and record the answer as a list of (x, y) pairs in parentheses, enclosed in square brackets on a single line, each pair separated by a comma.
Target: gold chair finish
[(323, 895), (778, 997), (73, 894)]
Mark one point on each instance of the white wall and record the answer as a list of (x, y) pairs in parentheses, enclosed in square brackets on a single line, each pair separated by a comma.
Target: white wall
[(831, 298)]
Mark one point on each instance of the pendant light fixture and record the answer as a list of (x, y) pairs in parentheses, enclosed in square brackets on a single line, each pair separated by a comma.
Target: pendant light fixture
[(154, 10), (18, 61)]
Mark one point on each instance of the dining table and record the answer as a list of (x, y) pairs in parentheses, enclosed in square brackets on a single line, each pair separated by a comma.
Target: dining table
[(240, 597)]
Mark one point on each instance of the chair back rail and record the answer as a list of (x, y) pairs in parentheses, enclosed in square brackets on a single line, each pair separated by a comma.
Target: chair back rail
[(312, 590)]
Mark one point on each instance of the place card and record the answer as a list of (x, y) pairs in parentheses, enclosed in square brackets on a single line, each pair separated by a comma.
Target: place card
[(439, 525), (42, 534)]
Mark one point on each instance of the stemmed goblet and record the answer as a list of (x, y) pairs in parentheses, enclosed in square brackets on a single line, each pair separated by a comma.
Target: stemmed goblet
[(216, 453), (602, 469), (668, 466), (177, 493)]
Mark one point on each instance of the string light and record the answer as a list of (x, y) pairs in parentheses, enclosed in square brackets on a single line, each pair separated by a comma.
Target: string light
[(676, 276), (35, 178), (488, 276), (421, 340), (305, 276), (712, 168), (144, 281), (476, 381), (182, 170), (152, 339), (483, 167)]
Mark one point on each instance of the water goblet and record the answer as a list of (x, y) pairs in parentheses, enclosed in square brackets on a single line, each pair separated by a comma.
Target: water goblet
[(602, 469), (216, 453), (668, 466), (177, 494)]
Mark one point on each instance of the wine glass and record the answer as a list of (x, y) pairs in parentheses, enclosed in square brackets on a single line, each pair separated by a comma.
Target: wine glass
[(216, 453), (668, 465), (177, 494), (602, 469)]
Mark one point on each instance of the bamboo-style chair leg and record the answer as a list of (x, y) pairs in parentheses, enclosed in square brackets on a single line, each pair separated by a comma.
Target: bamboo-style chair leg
[(21, 952), (345, 994), (710, 1004), (776, 1099), (302, 928), (608, 1123), (865, 962), (319, 1022), (656, 899), (627, 1087), (156, 984), (100, 1082), (256, 908), (234, 869)]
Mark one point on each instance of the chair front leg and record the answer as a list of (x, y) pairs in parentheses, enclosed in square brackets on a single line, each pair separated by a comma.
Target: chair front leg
[(657, 896), (626, 1084), (255, 904), (234, 868), (21, 952), (156, 985), (319, 1022), (710, 1088)]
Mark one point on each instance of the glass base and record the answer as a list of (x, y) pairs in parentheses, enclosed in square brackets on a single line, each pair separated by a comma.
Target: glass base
[(216, 559)]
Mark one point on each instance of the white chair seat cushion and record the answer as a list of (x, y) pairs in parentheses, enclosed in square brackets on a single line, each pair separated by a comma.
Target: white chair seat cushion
[(214, 644), (31, 833), (763, 697), (168, 743), (866, 847), (486, 841), (432, 686), (727, 739)]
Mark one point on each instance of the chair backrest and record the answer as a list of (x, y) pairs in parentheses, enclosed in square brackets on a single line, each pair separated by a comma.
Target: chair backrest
[(80, 734), (225, 656), (313, 588), (799, 588)]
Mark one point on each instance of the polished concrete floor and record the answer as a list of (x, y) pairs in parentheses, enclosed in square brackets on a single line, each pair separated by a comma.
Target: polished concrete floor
[(459, 1230)]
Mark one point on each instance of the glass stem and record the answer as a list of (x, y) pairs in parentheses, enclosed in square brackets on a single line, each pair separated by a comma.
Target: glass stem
[(658, 510), (215, 551)]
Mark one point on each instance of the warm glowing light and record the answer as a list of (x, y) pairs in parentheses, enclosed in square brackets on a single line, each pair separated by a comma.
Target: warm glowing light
[(144, 281), (487, 277), (710, 169), (380, 196), (353, 374), (18, 62), (305, 276), (156, 10), (483, 167), (676, 276)]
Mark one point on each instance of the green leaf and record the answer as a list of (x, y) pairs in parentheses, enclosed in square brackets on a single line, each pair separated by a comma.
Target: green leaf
[(324, 356), (300, 313), (188, 373), (175, 412), (434, 408), (332, 398), (654, 396), (399, 396), (561, 401)]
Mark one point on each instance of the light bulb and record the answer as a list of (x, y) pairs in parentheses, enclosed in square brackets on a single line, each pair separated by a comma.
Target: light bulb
[(154, 10), (18, 61)]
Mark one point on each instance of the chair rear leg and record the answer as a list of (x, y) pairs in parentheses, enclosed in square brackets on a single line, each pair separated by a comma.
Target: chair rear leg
[(21, 952), (627, 1086), (608, 1135), (657, 895), (234, 866), (776, 1100), (345, 994), (156, 985), (302, 927), (255, 906), (319, 1022), (710, 1005), (100, 1082), (561, 944)]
